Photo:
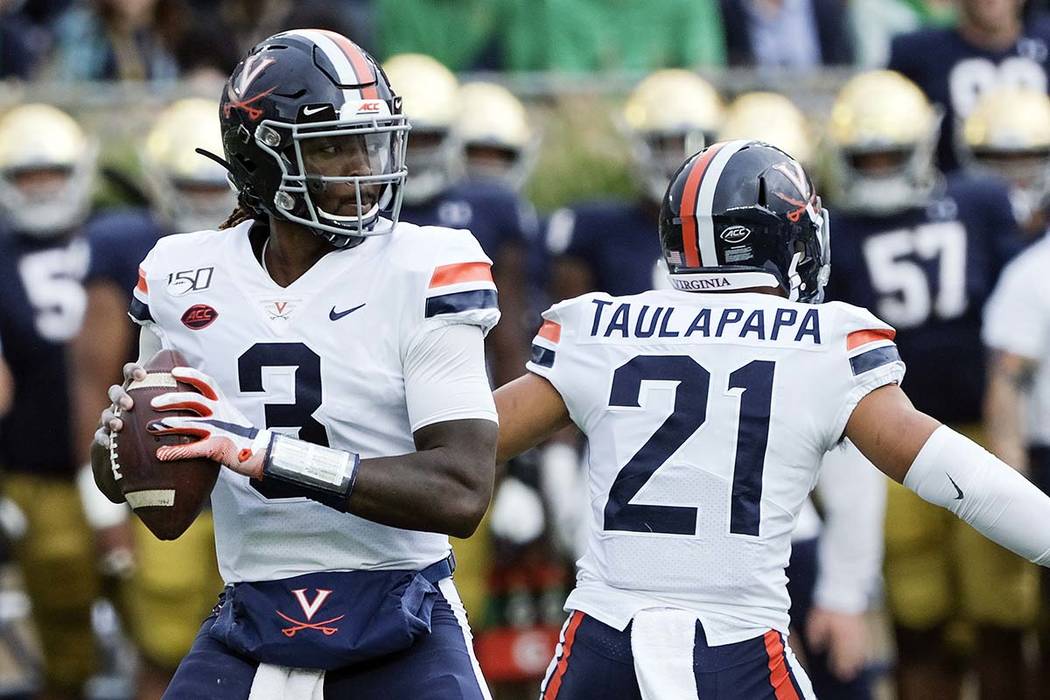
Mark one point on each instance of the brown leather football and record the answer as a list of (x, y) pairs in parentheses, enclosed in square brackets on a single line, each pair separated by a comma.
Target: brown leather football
[(167, 496)]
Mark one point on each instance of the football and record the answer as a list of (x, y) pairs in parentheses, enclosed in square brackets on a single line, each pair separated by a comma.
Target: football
[(166, 496)]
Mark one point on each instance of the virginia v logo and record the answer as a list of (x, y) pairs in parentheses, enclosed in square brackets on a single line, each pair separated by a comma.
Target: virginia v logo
[(310, 608)]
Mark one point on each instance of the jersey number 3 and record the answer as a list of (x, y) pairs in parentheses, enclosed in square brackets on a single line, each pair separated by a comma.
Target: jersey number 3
[(690, 412), (300, 414)]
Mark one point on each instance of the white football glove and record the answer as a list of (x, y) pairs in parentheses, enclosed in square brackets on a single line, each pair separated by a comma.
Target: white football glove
[(223, 434)]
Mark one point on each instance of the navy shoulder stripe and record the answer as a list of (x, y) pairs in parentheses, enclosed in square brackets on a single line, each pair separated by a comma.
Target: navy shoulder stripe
[(873, 359), (461, 301), (140, 311), (544, 357)]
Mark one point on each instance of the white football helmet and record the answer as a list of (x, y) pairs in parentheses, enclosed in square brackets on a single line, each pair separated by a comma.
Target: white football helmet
[(1008, 133), (47, 170), (882, 135), (430, 99), (192, 191), (493, 121), (772, 118), (669, 116)]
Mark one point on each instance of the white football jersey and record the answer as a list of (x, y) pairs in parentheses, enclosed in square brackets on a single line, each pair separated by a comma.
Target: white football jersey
[(325, 360), (707, 416), (1017, 320)]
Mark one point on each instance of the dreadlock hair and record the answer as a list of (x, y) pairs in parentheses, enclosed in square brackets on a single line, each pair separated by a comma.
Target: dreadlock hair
[(241, 213)]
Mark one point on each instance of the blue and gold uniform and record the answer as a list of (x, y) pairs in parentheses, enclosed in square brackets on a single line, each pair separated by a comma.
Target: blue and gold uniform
[(43, 303), (928, 271), (954, 73), (174, 583)]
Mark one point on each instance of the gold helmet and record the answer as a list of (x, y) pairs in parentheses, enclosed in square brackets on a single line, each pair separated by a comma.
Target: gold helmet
[(1008, 133), (882, 136), (47, 170), (495, 132), (772, 118), (669, 116), (430, 99), (191, 190)]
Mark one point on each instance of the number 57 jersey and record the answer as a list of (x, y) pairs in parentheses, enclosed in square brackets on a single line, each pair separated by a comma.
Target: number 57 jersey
[(707, 416)]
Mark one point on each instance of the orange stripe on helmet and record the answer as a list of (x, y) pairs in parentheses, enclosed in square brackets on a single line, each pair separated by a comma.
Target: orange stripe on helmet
[(461, 272), (363, 69), (687, 210), (141, 284), (858, 338)]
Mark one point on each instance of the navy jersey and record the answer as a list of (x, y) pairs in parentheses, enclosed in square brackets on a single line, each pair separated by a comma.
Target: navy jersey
[(616, 240), (928, 272), (494, 213), (954, 73), (119, 240), (42, 304)]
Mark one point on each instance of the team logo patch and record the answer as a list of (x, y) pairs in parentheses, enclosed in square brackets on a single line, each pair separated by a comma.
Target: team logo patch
[(199, 316), (735, 234), (280, 309), (310, 608)]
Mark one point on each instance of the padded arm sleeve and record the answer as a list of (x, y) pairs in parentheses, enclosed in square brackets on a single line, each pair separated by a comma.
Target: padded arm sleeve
[(952, 472)]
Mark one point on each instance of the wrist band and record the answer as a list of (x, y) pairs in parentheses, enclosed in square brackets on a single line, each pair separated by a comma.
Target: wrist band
[(319, 473)]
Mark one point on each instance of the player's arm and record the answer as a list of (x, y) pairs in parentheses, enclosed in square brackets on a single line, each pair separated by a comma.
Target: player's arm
[(507, 340), (948, 470), (1010, 379), (530, 411)]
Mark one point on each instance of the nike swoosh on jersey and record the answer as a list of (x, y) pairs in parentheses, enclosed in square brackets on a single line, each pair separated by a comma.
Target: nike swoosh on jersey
[(958, 490), (336, 315)]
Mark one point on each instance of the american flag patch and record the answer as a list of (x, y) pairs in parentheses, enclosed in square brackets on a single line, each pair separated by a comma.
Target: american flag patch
[(674, 257)]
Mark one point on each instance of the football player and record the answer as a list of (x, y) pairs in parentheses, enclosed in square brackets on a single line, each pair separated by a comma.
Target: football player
[(438, 195), (173, 586), (339, 361), (923, 252), (708, 408), (835, 560), (47, 169), (498, 141), (1017, 405), (1008, 134), (597, 245), (991, 47)]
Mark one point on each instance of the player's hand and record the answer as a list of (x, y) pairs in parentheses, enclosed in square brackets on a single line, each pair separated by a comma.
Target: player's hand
[(119, 401), (843, 636), (222, 432)]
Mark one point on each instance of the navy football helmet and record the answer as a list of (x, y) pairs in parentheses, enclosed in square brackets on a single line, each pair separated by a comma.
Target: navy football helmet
[(742, 214), (313, 133)]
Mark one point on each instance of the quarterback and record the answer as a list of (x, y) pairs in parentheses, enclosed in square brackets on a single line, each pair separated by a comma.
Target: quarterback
[(338, 357), (708, 408)]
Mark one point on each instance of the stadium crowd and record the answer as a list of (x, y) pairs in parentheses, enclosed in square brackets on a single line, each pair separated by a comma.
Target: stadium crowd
[(930, 146)]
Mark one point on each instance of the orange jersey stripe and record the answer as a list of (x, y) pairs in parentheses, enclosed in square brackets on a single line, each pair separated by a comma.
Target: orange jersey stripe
[(362, 69), (551, 331), (858, 338), (779, 677), (563, 664), (461, 272), (141, 285), (687, 211)]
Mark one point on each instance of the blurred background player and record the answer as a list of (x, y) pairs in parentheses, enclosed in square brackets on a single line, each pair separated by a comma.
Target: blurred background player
[(923, 252), (499, 142), (172, 586), (437, 195), (597, 245), (836, 550), (47, 168), (991, 46), (1017, 406), (1008, 134)]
